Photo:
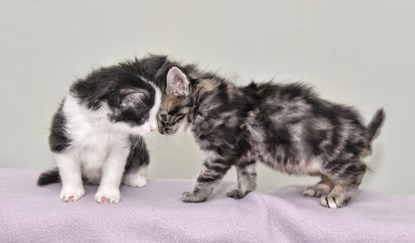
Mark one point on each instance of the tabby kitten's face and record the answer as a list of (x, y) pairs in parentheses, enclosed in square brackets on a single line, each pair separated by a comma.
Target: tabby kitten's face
[(173, 116)]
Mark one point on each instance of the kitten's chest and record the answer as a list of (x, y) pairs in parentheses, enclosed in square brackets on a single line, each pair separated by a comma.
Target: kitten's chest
[(92, 134), (93, 142)]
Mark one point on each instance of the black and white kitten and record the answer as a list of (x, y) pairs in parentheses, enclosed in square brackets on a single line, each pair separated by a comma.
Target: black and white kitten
[(96, 133), (286, 126)]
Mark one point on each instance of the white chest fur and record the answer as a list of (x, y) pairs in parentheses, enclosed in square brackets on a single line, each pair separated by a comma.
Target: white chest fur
[(94, 137)]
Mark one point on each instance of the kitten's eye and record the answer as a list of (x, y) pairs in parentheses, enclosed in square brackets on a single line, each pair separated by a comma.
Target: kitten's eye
[(178, 118)]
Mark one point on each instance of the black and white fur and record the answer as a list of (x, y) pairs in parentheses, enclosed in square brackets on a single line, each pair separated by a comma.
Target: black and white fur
[(96, 133), (286, 126)]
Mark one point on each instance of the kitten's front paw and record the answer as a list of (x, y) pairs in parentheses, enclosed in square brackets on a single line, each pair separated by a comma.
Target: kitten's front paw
[(71, 195), (107, 197), (236, 194), (192, 197)]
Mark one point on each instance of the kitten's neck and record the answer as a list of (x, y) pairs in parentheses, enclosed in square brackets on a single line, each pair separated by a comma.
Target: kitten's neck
[(210, 88)]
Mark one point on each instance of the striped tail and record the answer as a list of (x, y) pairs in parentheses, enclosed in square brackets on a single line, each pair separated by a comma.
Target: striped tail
[(375, 124)]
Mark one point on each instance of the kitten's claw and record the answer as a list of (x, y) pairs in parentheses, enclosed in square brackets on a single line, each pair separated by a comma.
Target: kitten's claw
[(236, 194), (71, 195), (192, 197)]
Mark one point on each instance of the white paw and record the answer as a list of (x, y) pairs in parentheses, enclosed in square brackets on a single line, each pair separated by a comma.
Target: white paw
[(136, 181), (107, 196), (71, 195)]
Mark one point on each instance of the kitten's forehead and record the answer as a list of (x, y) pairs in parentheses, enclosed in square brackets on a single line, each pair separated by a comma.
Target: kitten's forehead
[(170, 102)]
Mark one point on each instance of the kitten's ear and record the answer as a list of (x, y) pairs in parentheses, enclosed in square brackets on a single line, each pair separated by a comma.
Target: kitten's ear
[(177, 82), (132, 97)]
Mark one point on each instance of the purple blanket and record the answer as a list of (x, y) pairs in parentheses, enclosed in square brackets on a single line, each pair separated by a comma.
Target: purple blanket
[(155, 213)]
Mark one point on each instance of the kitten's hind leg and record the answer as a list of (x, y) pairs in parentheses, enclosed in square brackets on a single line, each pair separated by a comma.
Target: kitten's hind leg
[(246, 179), (322, 188), (208, 179), (136, 178), (346, 183)]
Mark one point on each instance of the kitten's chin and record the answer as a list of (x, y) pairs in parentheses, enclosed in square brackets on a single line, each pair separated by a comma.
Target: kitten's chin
[(142, 133), (179, 131), (182, 129), (167, 133), (137, 131)]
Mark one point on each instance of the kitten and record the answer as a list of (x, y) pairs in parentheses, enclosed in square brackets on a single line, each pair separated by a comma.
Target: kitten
[(286, 126), (95, 135)]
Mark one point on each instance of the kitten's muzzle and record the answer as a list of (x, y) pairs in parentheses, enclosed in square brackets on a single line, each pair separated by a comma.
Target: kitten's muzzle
[(161, 130), (162, 124), (166, 131), (160, 127)]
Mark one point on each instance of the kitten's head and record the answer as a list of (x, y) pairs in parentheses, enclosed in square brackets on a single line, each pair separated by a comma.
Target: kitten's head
[(135, 109), (176, 104)]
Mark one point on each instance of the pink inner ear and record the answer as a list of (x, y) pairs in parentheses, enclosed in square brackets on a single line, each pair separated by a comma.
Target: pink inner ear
[(177, 82), (135, 97)]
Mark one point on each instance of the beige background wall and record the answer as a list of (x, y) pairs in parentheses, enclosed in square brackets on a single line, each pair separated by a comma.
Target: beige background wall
[(356, 52)]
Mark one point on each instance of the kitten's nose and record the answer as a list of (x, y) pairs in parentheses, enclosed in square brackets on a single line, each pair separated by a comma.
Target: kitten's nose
[(153, 125)]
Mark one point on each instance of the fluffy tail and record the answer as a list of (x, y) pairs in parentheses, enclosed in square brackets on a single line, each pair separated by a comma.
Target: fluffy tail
[(49, 177), (375, 124)]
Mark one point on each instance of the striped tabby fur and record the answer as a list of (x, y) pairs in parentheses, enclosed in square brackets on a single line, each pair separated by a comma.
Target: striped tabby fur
[(286, 126)]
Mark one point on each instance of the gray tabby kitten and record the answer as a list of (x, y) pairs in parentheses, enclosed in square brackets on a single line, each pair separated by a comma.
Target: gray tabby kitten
[(286, 126)]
